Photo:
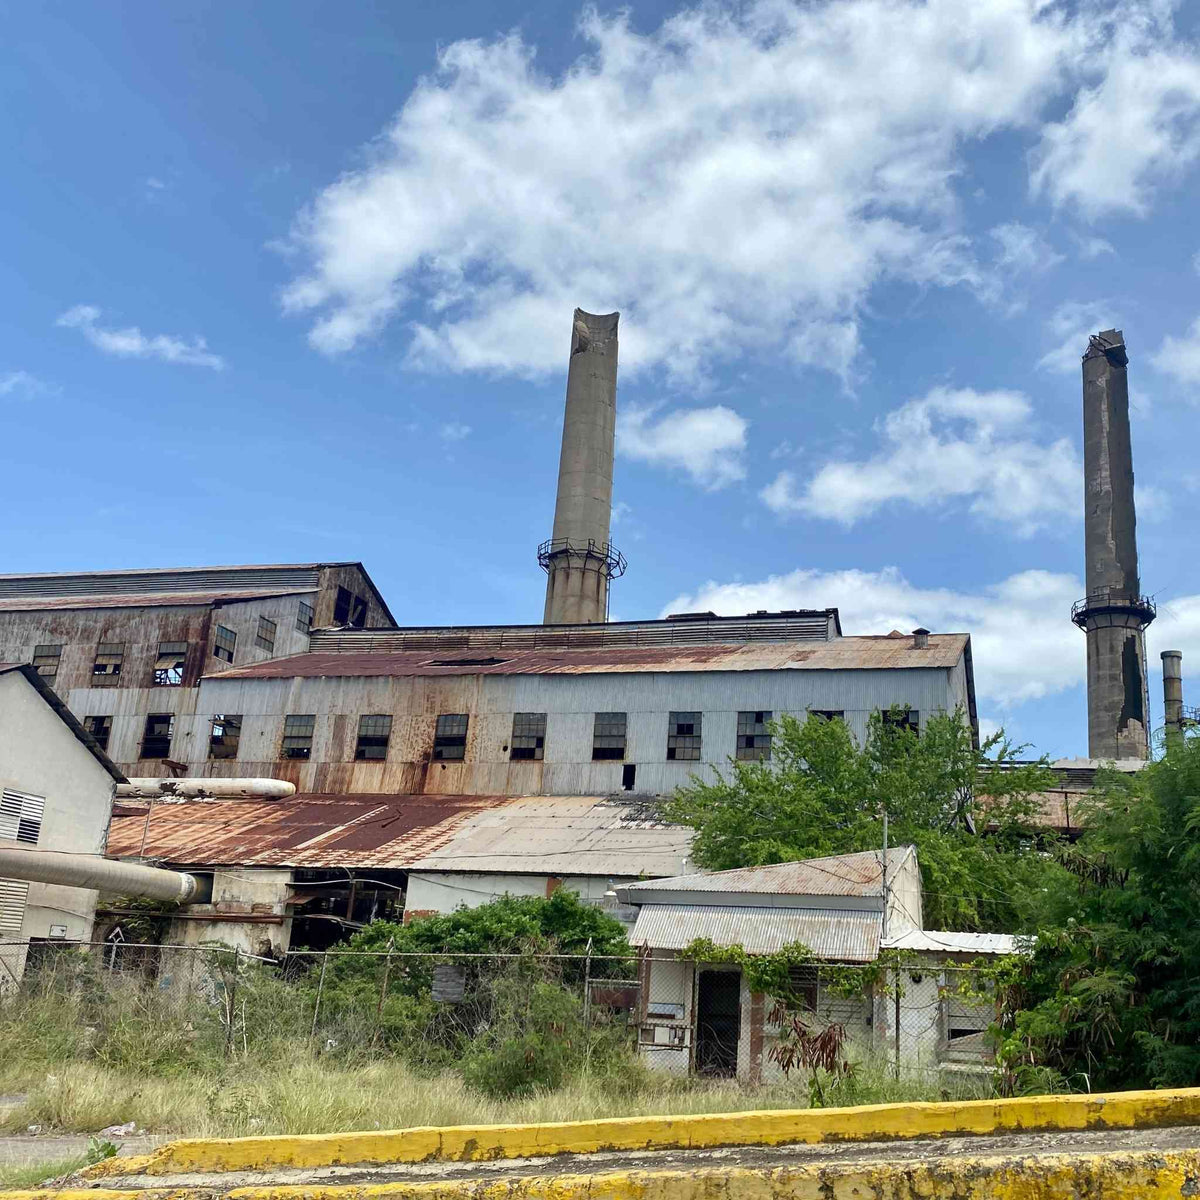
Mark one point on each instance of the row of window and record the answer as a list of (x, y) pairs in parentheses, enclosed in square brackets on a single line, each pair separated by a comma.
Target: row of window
[(528, 741), (169, 663)]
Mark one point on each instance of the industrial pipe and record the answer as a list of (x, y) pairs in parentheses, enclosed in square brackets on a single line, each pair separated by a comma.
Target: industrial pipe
[(205, 789), (103, 875), (1172, 669)]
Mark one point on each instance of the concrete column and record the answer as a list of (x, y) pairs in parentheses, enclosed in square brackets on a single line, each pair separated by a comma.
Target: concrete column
[(578, 559), (1172, 669), (1114, 614)]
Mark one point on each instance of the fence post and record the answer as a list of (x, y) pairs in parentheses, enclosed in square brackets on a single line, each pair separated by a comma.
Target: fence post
[(312, 1033), (587, 987), (387, 970), (897, 1033), (231, 1000)]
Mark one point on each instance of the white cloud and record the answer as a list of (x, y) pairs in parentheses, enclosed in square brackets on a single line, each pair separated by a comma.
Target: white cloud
[(1023, 250), (1024, 646), (1135, 126), (133, 343), (738, 179), (707, 443), (1179, 357), (1092, 247), (454, 431), (621, 512), (1069, 327), (950, 444), (24, 385)]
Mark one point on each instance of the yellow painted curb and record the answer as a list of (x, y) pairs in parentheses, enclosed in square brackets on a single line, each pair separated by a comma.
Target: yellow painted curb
[(1117, 1176), (475, 1143)]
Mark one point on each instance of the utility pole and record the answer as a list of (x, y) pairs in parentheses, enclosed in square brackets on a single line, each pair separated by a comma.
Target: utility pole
[(885, 877)]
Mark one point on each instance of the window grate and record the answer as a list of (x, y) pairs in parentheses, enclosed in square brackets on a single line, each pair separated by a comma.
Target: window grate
[(106, 668), (608, 736), (374, 733), (168, 667), (224, 736), (224, 644), (753, 735), (46, 659), (264, 639), (450, 738), (298, 735), (21, 816), (528, 736), (156, 740), (100, 728), (683, 736)]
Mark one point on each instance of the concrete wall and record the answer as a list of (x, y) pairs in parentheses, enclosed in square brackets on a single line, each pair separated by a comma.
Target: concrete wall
[(255, 894), (570, 702), (39, 755)]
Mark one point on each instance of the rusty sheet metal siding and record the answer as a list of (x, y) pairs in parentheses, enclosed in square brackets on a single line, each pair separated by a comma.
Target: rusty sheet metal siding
[(168, 579), (353, 579), (829, 933), (570, 702)]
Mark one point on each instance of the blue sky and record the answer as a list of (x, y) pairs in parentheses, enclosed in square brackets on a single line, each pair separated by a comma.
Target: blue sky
[(287, 282)]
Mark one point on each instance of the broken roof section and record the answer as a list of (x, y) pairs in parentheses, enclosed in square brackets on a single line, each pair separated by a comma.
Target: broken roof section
[(556, 835)]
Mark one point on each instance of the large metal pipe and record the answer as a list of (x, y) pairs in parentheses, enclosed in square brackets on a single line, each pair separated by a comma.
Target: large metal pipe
[(103, 875), (1172, 669), (1114, 613), (578, 559), (205, 789)]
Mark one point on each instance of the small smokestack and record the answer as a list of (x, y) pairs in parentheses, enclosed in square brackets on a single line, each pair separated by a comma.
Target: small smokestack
[(920, 639), (1172, 669), (1114, 613), (578, 559)]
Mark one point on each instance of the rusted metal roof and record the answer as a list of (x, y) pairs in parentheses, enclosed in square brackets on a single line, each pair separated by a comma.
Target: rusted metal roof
[(534, 834), (828, 933), (848, 653), (142, 600)]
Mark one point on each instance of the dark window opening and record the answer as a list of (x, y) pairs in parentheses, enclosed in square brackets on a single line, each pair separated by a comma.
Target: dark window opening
[(100, 728), (753, 737), (464, 662), (628, 776), (304, 617), (224, 736), (608, 736), (908, 719), (264, 639), (168, 666), (528, 736), (450, 738), (349, 609), (718, 1022), (828, 714), (224, 644), (802, 983), (298, 736), (46, 659), (683, 736), (156, 740), (106, 668), (374, 732)]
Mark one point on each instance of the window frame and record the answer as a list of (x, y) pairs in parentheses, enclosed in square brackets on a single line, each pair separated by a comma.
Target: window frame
[(222, 634), (147, 736), (910, 719), (828, 714), (305, 614), (604, 730), (447, 739), (47, 650), (224, 720), (262, 639), (527, 727), (376, 740), (161, 673), (685, 732), (102, 738), (110, 678), (753, 735), (294, 726)]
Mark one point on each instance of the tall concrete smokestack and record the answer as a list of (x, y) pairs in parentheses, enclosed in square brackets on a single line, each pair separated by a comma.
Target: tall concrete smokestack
[(1172, 665), (578, 560), (1114, 613)]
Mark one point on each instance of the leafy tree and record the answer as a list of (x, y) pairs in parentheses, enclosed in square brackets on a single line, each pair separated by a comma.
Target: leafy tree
[(1110, 994), (968, 811)]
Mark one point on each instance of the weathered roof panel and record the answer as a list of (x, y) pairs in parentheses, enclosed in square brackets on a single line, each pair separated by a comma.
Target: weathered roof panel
[(143, 599), (943, 941), (828, 933)]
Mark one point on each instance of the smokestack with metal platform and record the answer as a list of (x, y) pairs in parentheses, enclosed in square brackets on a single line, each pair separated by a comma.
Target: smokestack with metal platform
[(579, 560), (1114, 614)]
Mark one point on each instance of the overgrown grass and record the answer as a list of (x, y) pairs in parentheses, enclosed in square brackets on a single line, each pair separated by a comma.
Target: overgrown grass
[(30, 1175)]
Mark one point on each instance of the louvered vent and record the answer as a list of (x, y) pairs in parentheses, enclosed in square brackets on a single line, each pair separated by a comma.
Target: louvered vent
[(21, 816)]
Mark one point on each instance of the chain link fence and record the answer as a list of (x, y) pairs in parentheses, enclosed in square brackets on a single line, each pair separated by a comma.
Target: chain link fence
[(501, 1019)]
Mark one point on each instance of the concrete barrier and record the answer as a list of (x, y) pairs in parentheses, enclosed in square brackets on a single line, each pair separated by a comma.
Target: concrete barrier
[(478, 1143)]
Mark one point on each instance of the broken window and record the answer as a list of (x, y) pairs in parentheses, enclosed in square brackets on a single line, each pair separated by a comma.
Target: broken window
[(224, 736), (528, 736), (373, 735), (46, 659), (828, 714), (902, 718), (349, 609), (264, 639), (608, 736), (803, 983), (450, 738), (224, 643), (156, 741), (107, 667), (683, 736), (21, 816), (753, 738), (168, 667), (304, 617), (100, 728), (298, 736)]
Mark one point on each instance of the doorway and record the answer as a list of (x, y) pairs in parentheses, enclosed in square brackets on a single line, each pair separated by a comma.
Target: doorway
[(718, 1022)]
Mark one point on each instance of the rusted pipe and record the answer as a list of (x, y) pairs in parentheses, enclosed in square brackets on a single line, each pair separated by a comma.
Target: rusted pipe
[(205, 789)]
